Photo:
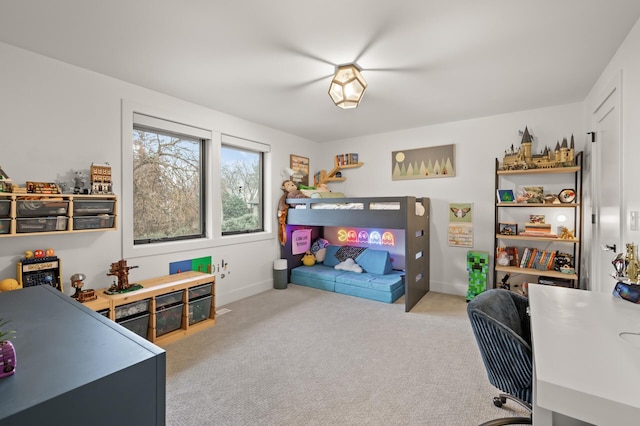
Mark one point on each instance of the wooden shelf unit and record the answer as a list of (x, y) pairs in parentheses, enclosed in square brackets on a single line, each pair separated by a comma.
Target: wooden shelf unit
[(574, 243), (331, 176), (160, 286), (14, 216)]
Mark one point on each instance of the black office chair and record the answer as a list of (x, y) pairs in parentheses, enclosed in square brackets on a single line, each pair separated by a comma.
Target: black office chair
[(501, 325)]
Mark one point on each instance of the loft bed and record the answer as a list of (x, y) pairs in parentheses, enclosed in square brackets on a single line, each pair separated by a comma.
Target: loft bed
[(406, 213)]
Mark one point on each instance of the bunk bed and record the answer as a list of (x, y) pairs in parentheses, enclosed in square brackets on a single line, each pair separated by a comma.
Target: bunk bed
[(406, 213)]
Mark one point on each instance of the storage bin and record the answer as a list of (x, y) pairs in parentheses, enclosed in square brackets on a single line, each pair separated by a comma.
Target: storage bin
[(42, 224), (93, 222), (133, 308), (37, 208), (139, 324), (104, 312), (199, 309), (199, 291), (168, 299), (168, 318), (92, 207), (5, 226), (5, 208)]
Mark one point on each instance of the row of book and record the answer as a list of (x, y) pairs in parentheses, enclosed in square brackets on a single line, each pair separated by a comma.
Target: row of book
[(346, 159), (533, 258)]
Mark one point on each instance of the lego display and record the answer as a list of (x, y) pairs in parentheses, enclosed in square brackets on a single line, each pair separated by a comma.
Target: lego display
[(120, 270), (101, 182), (81, 295), (40, 267), (523, 157)]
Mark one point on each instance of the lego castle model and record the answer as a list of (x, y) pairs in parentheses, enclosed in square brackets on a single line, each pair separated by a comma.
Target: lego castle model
[(522, 158)]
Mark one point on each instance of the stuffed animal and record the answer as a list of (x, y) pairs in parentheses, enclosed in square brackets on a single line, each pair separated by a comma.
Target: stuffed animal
[(308, 259), (290, 191)]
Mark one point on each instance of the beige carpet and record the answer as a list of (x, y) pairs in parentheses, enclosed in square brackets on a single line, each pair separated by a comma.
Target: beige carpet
[(301, 356)]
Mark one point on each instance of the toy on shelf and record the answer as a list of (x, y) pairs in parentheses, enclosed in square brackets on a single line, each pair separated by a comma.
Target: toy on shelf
[(120, 270), (101, 179), (523, 157), (40, 267), (9, 284), (86, 295), (5, 182)]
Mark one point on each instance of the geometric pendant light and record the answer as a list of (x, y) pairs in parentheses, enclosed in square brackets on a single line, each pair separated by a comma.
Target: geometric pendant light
[(347, 86)]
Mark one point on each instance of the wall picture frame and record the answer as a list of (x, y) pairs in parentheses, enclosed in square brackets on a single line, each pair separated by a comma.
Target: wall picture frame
[(424, 163), (300, 165), (508, 228), (506, 196)]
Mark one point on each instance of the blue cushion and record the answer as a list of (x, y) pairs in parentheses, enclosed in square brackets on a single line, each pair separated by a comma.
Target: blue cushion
[(330, 258), (375, 261), (321, 272), (387, 282)]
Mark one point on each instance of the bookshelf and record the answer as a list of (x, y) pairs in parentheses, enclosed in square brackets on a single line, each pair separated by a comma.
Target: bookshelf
[(545, 242)]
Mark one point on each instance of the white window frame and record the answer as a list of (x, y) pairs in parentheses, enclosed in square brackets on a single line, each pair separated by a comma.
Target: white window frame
[(213, 199)]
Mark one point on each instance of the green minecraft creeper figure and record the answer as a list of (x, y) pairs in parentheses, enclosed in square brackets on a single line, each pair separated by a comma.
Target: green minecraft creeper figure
[(478, 267)]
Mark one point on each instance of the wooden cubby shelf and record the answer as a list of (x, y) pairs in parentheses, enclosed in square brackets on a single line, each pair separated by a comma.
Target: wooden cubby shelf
[(23, 214), (154, 288)]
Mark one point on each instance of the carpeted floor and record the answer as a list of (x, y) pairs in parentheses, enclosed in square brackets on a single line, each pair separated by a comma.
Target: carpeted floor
[(301, 356)]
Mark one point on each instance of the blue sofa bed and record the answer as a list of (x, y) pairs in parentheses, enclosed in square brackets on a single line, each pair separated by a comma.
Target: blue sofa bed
[(377, 281)]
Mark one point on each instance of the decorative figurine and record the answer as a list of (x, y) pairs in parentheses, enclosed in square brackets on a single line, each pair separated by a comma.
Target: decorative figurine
[(77, 282), (633, 267), (121, 271)]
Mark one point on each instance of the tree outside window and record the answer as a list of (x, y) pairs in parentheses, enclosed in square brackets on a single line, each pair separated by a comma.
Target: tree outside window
[(241, 189), (167, 186)]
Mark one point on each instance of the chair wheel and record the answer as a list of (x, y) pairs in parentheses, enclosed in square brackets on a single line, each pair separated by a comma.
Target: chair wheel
[(498, 401)]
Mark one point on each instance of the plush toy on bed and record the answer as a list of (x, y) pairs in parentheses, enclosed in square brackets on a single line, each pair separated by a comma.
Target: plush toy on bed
[(290, 191)]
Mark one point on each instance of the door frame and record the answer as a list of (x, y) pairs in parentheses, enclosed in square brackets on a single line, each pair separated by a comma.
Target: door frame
[(614, 86)]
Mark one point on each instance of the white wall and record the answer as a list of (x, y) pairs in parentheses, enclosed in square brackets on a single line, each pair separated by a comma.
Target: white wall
[(477, 143), (56, 118)]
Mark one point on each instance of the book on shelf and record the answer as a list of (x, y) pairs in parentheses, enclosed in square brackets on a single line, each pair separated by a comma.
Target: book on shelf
[(512, 252)]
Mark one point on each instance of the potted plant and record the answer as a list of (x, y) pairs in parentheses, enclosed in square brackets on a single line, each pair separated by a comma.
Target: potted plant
[(7, 352)]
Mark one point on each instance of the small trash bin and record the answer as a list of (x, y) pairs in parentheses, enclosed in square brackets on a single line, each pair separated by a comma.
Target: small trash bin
[(280, 274)]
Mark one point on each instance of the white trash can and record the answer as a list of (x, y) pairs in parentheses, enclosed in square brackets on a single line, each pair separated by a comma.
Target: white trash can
[(280, 274)]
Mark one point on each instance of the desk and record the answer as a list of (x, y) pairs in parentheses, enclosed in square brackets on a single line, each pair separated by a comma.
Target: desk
[(76, 367), (583, 369)]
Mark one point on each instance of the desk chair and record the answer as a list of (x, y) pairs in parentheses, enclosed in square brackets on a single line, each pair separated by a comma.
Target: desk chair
[(500, 323)]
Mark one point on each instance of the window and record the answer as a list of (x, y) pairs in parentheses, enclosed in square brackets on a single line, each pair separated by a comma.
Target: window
[(241, 185), (168, 181)]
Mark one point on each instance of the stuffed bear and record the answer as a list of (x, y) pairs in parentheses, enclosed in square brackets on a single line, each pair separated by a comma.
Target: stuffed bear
[(290, 191)]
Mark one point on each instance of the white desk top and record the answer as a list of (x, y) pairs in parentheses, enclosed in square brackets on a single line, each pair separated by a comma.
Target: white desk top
[(583, 368)]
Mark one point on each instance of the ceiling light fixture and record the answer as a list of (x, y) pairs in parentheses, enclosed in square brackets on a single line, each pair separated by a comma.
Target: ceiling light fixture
[(347, 86)]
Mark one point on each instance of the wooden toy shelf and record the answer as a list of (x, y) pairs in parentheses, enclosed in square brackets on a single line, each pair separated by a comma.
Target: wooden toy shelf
[(161, 286), (44, 214), (325, 177)]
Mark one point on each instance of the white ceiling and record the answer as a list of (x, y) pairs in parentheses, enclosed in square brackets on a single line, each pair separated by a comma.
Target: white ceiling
[(426, 61)]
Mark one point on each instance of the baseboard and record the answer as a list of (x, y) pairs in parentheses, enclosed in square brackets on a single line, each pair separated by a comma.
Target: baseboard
[(449, 288), (242, 293)]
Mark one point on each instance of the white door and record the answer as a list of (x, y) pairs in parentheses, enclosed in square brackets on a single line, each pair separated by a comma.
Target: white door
[(607, 181)]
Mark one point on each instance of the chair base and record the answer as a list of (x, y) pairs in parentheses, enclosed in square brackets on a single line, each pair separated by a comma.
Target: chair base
[(499, 400)]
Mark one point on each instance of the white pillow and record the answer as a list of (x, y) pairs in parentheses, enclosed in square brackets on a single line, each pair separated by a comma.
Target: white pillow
[(349, 265)]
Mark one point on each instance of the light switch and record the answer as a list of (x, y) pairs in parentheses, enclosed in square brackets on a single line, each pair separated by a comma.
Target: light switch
[(633, 221)]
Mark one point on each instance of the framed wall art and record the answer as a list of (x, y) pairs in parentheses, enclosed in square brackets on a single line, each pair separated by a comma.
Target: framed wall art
[(300, 165), (423, 163)]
